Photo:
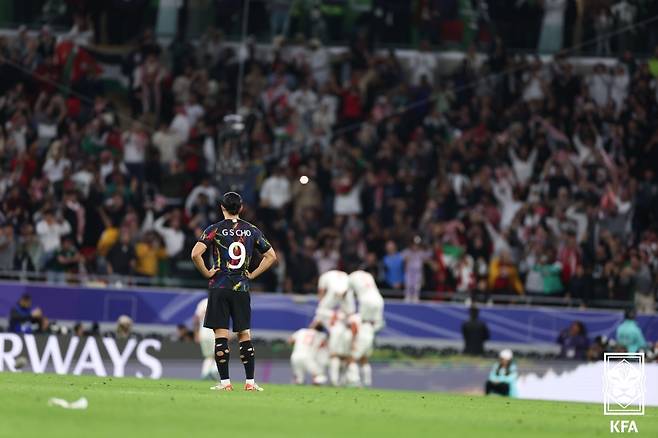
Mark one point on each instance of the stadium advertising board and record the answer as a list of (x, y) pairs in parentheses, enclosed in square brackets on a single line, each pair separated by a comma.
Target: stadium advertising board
[(74, 355)]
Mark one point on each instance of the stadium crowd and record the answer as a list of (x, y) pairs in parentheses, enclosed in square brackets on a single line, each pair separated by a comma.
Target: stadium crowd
[(507, 176)]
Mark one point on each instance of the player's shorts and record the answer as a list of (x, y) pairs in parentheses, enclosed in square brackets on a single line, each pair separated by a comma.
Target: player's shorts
[(365, 340), (340, 340), (227, 304), (207, 342)]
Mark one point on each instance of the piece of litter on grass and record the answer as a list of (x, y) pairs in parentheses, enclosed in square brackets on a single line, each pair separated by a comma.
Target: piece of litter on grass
[(81, 403)]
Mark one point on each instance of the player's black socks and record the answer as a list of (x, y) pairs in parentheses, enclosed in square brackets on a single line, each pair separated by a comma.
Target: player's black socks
[(248, 358), (222, 354)]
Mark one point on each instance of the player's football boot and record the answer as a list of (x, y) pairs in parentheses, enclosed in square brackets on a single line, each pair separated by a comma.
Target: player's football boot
[(254, 387), (220, 387)]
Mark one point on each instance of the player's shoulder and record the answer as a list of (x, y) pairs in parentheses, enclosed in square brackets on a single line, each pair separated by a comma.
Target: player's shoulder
[(335, 273), (249, 225), (215, 225)]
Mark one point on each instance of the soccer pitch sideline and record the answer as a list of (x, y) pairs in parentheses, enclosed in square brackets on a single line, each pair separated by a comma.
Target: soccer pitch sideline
[(129, 407)]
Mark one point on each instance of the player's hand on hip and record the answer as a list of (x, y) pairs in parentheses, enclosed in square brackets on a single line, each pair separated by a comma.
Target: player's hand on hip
[(249, 275), (212, 272)]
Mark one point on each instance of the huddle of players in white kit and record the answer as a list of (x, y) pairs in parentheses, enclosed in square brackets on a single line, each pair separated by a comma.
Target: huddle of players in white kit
[(340, 336)]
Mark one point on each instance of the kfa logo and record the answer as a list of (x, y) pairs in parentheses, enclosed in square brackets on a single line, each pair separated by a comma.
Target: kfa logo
[(623, 426), (623, 384), (623, 389)]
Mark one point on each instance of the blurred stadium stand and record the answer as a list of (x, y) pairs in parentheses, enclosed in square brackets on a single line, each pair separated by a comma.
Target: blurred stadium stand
[(529, 180)]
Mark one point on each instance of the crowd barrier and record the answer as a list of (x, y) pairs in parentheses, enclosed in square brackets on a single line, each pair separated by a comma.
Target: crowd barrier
[(286, 313)]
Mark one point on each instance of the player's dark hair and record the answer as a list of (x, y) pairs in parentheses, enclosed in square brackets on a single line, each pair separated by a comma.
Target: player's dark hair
[(474, 312), (233, 210), (319, 327)]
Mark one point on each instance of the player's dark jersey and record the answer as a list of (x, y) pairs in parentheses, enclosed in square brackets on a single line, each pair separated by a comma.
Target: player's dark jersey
[(232, 243)]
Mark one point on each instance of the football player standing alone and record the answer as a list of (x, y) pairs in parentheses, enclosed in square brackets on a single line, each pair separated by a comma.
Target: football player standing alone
[(232, 243)]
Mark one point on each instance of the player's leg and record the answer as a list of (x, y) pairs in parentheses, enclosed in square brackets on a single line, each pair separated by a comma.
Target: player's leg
[(241, 316), (366, 371), (335, 334), (298, 368), (222, 357), (207, 344), (363, 350), (217, 319)]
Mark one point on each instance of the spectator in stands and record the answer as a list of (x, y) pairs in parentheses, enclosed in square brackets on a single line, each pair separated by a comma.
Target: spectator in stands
[(503, 376), (28, 249), (503, 276), (415, 257), (7, 247), (475, 333), (573, 342), (580, 285), (393, 266), (50, 230), (303, 278), (24, 318), (169, 226), (275, 193), (124, 328), (149, 252), (67, 260), (517, 162), (551, 272), (79, 330), (122, 260), (629, 334), (637, 277), (183, 334)]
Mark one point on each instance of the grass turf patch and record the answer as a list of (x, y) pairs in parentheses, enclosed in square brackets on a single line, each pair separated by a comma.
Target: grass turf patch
[(129, 407)]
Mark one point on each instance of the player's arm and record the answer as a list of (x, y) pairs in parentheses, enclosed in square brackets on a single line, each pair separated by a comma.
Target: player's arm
[(355, 330), (197, 258), (269, 257)]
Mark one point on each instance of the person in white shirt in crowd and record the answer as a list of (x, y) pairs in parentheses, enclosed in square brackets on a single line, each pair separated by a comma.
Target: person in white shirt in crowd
[(619, 83), (371, 313), (523, 164), (275, 191), (181, 125), (205, 337), (504, 194), (308, 354), (56, 163), (193, 109), (204, 188), (424, 64), (304, 101), (335, 307), (50, 230), (169, 226), (166, 141), (598, 84), (135, 143), (110, 164), (319, 62), (534, 83)]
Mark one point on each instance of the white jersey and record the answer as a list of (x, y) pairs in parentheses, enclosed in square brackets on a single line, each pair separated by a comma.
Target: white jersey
[(200, 312), (337, 293), (308, 342), (371, 303), (206, 335)]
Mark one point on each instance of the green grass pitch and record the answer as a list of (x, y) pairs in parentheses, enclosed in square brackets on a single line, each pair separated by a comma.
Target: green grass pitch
[(128, 407)]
